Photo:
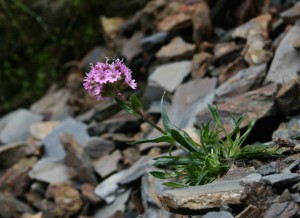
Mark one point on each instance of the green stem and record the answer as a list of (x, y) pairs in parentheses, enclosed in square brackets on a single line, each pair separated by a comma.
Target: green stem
[(141, 114)]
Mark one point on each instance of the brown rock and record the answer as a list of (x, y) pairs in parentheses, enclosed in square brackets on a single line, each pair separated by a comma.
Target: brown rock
[(259, 24), (288, 97), (107, 164), (130, 155), (200, 64), (257, 104), (176, 49), (88, 192), (175, 21), (66, 197), (202, 26), (12, 153), (40, 130), (16, 178), (77, 161), (232, 69), (12, 207), (37, 215), (111, 27), (297, 44)]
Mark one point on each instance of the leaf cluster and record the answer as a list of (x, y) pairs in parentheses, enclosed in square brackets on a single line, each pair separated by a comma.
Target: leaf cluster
[(205, 161)]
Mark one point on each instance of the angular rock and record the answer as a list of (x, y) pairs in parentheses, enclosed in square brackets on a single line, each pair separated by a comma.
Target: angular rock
[(175, 21), (12, 153), (77, 161), (257, 104), (54, 105), (97, 147), (284, 209), (285, 64), (154, 41), (250, 211), (291, 13), (53, 147), (109, 189), (118, 205), (12, 207), (107, 164), (198, 200), (221, 214), (231, 69), (281, 179), (245, 80), (258, 24), (162, 74), (183, 110), (176, 49), (122, 122), (201, 20), (136, 171), (200, 64), (100, 111), (111, 27), (288, 97), (130, 155), (50, 172), (271, 168), (251, 178), (16, 179), (40, 130), (19, 120), (66, 198), (131, 47), (88, 193)]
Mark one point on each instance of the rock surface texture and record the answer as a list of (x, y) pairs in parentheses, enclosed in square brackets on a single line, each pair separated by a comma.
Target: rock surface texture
[(68, 154)]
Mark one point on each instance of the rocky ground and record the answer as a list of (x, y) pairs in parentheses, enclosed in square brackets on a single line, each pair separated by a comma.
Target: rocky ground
[(67, 155)]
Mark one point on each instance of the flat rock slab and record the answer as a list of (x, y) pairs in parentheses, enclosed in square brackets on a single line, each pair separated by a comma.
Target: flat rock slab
[(50, 172), (14, 127), (281, 178), (170, 76), (285, 64), (257, 104), (201, 199), (53, 147)]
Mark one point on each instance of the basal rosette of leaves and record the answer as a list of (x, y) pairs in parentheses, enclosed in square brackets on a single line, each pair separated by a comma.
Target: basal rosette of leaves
[(200, 163)]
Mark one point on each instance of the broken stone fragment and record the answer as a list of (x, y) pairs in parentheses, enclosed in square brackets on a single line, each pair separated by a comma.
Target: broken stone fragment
[(78, 162), (200, 199), (176, 49), (66, 197), (111, 27)]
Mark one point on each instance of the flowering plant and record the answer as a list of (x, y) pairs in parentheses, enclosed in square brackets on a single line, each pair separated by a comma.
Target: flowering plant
[(200, 163)]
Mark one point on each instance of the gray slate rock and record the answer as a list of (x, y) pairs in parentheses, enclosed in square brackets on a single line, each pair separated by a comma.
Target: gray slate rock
[(285, 64), (169, 76), (221, 214), (198, 200), (14, 127), (154, 41), (50, 172), (281, 178), (53, 146), (268, 169)]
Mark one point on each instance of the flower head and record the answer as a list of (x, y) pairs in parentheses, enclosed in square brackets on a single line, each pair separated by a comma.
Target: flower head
[(105, 79)]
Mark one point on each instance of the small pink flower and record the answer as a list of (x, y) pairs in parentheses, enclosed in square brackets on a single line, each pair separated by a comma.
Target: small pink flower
[(104, 79)]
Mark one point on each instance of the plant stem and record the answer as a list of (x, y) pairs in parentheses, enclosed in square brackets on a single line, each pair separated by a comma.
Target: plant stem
[(141, 114)]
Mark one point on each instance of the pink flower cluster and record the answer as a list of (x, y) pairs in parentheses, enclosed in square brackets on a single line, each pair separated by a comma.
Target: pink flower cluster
[(104, 79)]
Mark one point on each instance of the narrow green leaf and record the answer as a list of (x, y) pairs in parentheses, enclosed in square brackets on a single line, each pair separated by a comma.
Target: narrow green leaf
[(166, 121), (174, 185), (135, 103), (125, 107), (160, 175), (164, 138), (182, 141)]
